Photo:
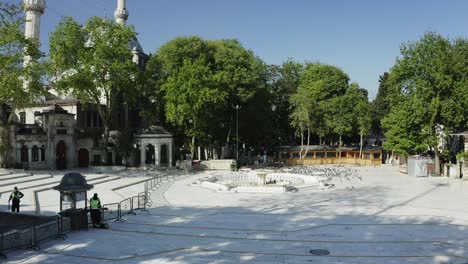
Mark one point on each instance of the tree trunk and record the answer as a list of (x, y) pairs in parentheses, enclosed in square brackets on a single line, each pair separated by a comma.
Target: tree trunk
[(339, 152), (360, 149), (308, 142), (229, 131), (302, 145), (192, 148), (105, 143), (437, 160), (5, 145)]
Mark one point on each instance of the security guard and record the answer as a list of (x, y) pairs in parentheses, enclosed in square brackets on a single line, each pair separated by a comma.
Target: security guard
[(15, 196), (95, 205)]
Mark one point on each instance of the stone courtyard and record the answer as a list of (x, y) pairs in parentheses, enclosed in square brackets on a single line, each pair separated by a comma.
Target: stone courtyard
[(377, 216)]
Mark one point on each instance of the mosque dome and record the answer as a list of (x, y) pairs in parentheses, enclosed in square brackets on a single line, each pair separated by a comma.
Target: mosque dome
[(135, 45)]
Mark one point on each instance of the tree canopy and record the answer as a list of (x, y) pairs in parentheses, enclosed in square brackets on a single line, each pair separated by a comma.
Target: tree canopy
[(380, 105), (428, 98), (200, 82), (14, 73), (94, 63)]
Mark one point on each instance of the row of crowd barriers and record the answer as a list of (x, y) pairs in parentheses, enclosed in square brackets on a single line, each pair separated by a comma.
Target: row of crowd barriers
[(115, 211), (22, 237), (31, 236)]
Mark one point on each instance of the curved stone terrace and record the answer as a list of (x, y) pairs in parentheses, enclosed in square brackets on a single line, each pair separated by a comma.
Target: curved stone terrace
[(376, 215)]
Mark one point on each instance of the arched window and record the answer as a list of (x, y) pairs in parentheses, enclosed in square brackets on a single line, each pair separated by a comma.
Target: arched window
[(24, 154), (43, 153), (35, 154)]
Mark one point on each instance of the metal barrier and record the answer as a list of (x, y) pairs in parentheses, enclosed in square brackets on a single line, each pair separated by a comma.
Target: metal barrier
[(129, 205), (31, 236), (142, 201), (126, 207), (112, 212), (58, 226)]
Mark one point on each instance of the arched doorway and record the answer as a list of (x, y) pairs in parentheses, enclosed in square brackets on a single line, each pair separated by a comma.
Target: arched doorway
[(149, 154), (61, 155), (24, 154), (83, 158), (137, 156), (164, 155)]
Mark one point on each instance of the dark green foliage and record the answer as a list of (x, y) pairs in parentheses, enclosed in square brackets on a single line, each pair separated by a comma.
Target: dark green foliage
[(13, 48), (427, 94), (380, 106), (200, 81), (94, 63)]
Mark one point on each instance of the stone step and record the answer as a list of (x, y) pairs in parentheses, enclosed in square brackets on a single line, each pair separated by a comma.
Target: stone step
[(13, 176), (5, 173), (51, 183), (107, 180), (130, 184), (29, 180)]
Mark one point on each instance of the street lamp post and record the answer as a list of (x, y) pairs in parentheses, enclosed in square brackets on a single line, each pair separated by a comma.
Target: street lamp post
[(237, 107)]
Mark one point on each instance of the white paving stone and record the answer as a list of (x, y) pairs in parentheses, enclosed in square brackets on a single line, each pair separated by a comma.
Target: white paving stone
[(378, 217)]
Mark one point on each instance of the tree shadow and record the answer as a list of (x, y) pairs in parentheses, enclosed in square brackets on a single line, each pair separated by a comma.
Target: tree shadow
[(353, 224)]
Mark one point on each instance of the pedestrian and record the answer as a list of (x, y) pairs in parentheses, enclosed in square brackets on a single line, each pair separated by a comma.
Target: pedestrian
[(95, 205), (15, 196)]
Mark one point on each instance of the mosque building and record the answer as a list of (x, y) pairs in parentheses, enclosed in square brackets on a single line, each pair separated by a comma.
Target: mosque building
[(60, 132)]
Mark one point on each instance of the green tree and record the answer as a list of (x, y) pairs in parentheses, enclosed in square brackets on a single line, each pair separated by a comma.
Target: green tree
[(283, 81), (428, 95), (361, 112), (339, 114), (13, 49), (20, 83), (319, 85), (380, 105), (94, 63), (200, 81), (241, 76), (403, 128), (188, 94), (301, 108)]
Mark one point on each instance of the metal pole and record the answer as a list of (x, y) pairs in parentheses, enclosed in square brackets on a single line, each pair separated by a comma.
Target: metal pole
[(237, 132)]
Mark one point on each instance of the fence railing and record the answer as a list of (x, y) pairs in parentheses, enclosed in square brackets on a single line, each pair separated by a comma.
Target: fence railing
[(115, 211), (30, 236), (58, 226)]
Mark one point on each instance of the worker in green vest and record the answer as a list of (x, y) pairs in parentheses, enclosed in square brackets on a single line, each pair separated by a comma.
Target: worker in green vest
[(95, 205), (15, 196)]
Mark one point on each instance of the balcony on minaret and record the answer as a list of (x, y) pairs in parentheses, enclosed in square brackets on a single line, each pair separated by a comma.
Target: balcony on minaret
[(36, 6), (121, 15)]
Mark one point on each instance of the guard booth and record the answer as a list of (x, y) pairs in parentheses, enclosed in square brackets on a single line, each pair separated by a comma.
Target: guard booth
[(73, 190)]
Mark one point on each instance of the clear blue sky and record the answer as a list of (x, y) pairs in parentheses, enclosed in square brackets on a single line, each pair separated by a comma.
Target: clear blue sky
[(360, 36)]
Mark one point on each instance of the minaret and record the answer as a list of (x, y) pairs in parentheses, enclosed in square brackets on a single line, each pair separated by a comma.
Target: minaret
[(121, 13), (121, 16), (34, 10), (32, 28)]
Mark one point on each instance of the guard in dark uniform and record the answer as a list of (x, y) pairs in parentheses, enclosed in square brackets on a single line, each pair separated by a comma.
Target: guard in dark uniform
[(15, 198)]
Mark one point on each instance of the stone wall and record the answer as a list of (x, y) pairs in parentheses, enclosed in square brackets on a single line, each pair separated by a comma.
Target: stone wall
[(30, 230), (222, 164)]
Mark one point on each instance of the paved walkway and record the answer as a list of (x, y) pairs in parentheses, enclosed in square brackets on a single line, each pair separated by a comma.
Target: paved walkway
[(378, 217)]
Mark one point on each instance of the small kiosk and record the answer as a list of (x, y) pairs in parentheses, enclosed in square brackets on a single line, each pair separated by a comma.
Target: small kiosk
[(74, 199)]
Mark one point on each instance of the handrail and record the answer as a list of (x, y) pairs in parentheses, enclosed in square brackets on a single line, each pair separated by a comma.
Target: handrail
[(34, 238)]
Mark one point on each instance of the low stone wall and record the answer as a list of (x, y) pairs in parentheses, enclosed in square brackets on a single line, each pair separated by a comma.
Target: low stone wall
[(108, 168), (10, 221), (222, 164), (465, 170), (26, 236), (260, 189), (295, 178), (215, 186)]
